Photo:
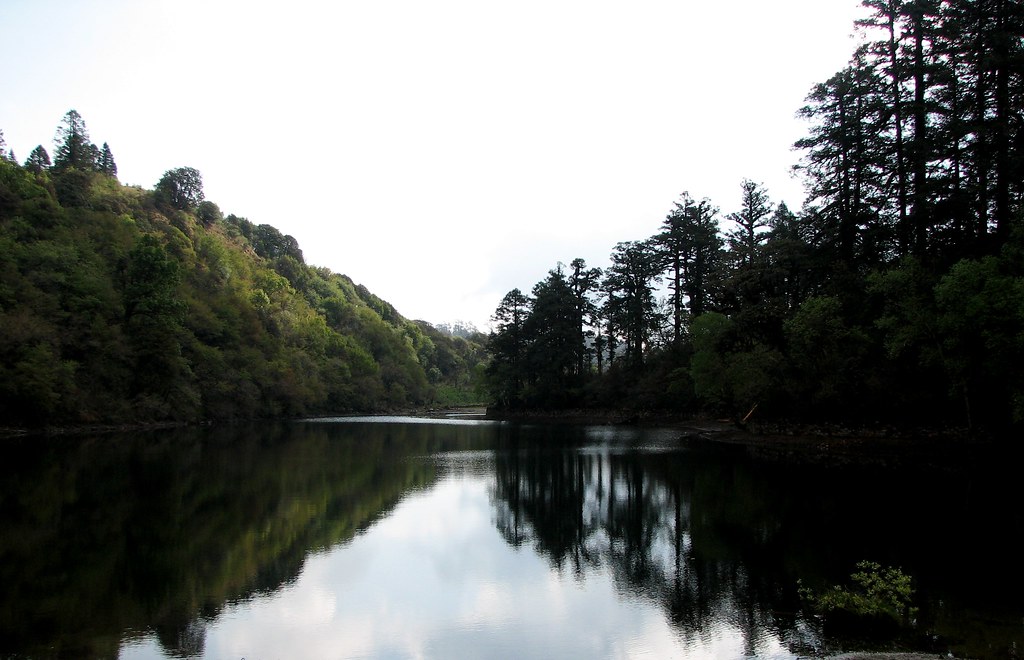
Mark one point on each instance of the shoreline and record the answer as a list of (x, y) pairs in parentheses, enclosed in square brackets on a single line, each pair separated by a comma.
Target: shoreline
[(829, 445)]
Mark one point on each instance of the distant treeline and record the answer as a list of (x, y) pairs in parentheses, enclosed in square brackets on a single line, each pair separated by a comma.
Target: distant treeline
[(895, 295), (121, 305)]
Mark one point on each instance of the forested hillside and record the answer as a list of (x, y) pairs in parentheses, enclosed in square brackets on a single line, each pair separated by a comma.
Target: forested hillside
[(895, 295), (120, 304)]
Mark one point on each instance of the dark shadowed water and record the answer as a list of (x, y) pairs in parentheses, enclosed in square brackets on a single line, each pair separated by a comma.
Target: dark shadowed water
[(401, 538)]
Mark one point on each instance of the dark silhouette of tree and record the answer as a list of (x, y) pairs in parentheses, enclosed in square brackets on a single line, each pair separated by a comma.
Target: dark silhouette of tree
[(583, 282), (632, 277), (842, 163), (690, 249), (507, 344), (552, 329), (746, 238)]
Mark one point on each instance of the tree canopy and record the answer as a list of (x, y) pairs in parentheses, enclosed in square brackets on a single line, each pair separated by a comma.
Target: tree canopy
[(119, 304)]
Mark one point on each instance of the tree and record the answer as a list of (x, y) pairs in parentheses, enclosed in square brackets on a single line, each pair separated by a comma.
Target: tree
[(552, 329), (106, 162), (507, 345), (583, 282), (38, 160), (180, 188), (690, 251), (4, 153), (74, 150), (208, 213), (631, 280), (753, 217)]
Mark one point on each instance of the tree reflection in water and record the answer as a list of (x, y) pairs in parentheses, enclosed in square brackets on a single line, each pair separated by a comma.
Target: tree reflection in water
[(632, 513), (717, 539)]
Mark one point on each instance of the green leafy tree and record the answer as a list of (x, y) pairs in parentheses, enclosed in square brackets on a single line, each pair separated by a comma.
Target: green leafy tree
[(208, 213), (980, 306), (875, 592), (180, 188), (731, 373), (827, 357)]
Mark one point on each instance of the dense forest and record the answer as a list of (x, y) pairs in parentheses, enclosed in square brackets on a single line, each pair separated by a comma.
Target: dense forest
[(894, 296), (125, 305)]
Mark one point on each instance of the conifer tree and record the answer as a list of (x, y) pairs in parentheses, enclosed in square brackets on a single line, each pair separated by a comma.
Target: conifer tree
[(508, 345), (691, 253), (38, 160), (74, 150), (4, 154), (632, 278), (753, 216), (106, 161)]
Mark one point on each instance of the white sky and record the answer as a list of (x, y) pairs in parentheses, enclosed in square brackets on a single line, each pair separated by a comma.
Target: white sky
[(440, 152)]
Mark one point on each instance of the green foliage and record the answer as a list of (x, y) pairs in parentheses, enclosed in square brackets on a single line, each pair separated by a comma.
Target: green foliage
[(208, 213), (119, 304), (180, 188), (980, 308), (875, 592), (73, 148), (106, 162), (38, 160), (825, 354), (729, 375)]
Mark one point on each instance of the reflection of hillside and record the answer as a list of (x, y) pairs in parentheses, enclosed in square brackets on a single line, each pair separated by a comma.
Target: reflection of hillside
[(159, 532), (696, 539)]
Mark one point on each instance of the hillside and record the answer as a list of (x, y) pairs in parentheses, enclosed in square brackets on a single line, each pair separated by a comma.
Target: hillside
[(124, 305)]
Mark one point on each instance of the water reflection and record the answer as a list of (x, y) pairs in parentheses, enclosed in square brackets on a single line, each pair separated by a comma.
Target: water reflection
[(388, 538), (155, 532), (633, 513)]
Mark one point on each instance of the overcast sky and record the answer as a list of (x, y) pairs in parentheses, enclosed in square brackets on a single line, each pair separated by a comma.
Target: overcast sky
[(440, 152)]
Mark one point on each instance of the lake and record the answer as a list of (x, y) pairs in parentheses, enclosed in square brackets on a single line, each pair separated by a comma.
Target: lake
[(410, 538)]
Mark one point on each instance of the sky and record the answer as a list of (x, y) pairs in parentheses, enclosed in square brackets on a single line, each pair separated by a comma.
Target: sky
[(439, 152)]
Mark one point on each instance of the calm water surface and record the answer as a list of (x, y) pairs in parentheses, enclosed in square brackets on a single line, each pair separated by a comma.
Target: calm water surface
[(403, 538)]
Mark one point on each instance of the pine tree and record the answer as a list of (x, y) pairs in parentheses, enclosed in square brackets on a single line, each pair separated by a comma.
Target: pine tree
[(4, 154), (106, 162), (507, 344), (74, 150), (690, 250), (753, 216), (38, 160), (631, 280), (583, 282)]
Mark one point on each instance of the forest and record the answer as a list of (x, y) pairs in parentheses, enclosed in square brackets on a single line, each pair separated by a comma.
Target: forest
[(894, 296), (120, 305)]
